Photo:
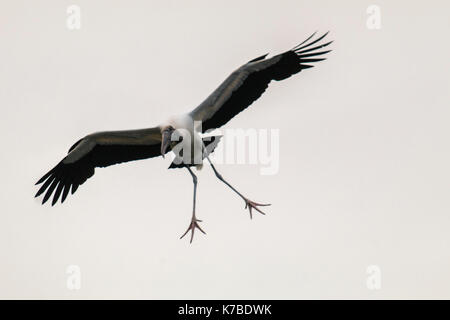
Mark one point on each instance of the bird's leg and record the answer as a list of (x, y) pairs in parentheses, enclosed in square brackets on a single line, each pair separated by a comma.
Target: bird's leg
[(248, 203), (194, 220)]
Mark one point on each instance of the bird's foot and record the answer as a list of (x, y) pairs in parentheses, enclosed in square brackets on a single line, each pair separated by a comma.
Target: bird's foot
[(254, 205), (192, 227)]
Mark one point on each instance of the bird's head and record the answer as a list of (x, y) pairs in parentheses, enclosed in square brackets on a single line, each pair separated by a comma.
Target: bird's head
[(166, 138)]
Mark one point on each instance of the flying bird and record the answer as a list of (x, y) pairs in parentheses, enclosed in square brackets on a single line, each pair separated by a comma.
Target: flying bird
[(184, 133)]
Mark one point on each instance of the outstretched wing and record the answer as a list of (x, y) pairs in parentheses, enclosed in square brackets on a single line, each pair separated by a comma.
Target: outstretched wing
[(100, 149), (248, 83)]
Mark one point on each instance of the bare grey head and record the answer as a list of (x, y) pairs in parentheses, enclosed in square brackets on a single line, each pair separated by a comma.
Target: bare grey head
[(166, 138)]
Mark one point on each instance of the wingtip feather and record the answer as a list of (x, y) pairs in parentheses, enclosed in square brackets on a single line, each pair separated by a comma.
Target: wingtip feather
[(295, 48), (44, 177), (311, 43), (314, 48)]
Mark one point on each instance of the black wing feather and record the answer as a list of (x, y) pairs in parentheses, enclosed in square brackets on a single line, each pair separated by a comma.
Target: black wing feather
[(69, 175), (256, 82)]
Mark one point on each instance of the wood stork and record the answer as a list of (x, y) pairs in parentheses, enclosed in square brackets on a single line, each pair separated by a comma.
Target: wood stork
[(237, 92)]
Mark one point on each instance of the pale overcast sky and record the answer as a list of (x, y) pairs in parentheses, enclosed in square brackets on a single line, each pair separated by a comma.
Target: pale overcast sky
[(367, 183)]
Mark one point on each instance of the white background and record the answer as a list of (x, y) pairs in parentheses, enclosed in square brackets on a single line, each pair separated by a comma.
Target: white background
[(364, 151)]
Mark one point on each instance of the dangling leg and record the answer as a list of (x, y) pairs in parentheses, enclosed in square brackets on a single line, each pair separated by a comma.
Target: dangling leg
[(248, 203), (194, 220)]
